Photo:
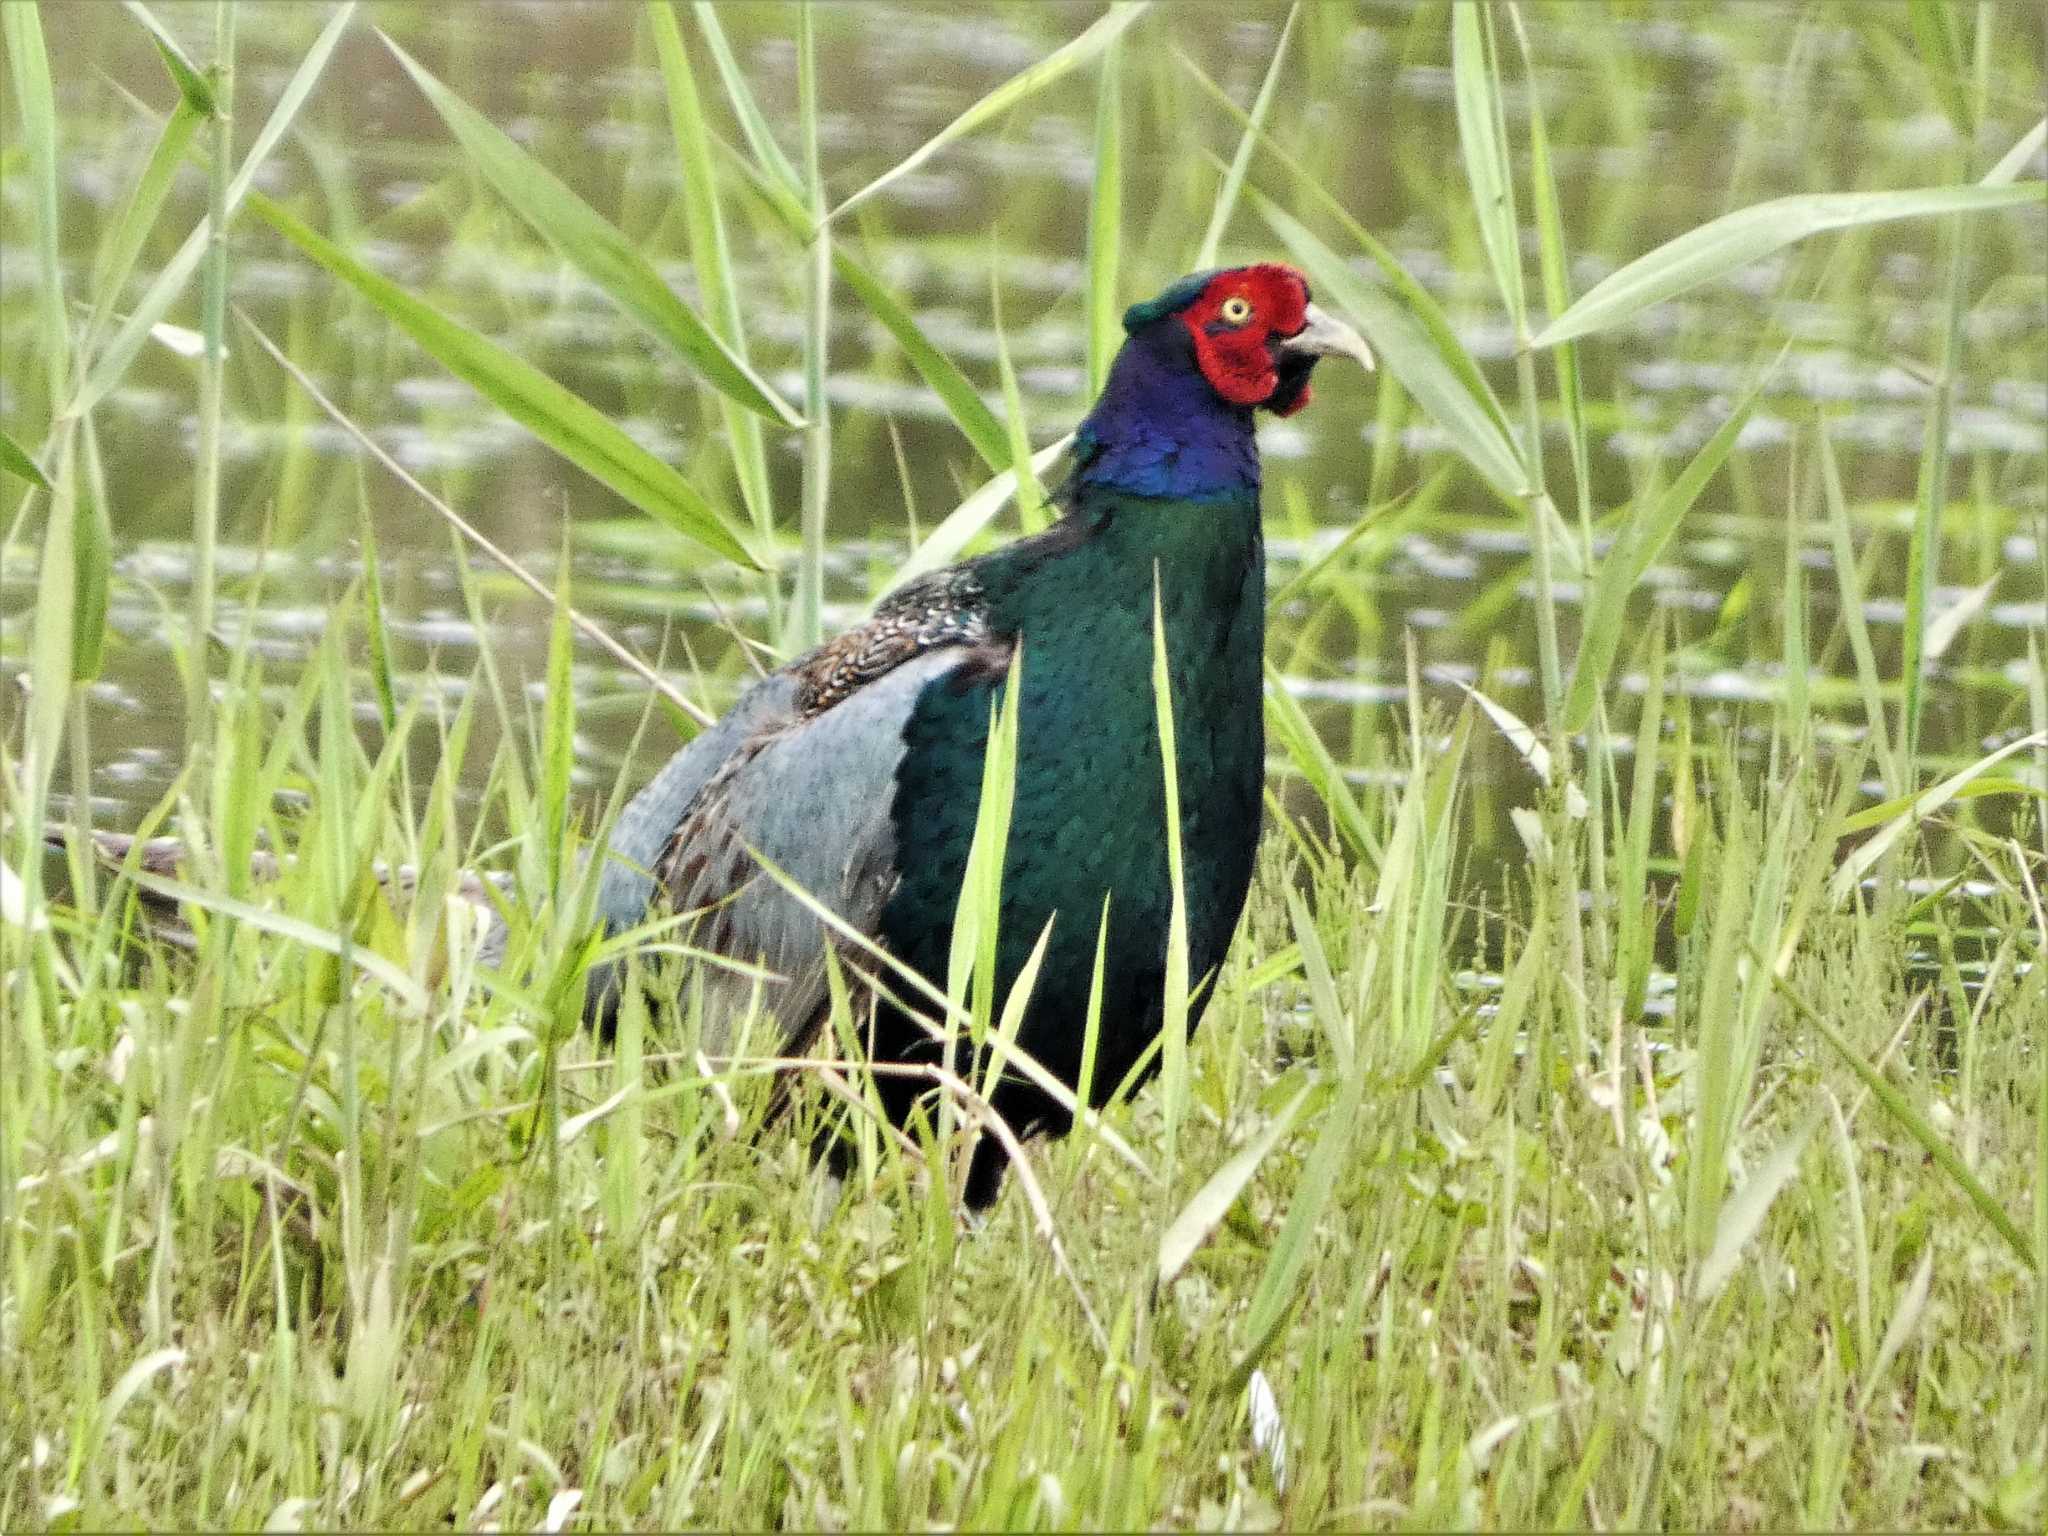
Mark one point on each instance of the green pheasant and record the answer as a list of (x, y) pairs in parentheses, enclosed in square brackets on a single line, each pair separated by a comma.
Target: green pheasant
[(857, 768)]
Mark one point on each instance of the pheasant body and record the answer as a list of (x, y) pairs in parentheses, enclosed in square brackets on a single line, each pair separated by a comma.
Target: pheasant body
[(857, 769)]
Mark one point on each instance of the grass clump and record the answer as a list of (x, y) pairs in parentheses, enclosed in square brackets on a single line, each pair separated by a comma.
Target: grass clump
[(320, 1219)]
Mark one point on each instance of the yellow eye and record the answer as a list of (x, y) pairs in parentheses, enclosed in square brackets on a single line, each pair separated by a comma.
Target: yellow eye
[(1236, 309)]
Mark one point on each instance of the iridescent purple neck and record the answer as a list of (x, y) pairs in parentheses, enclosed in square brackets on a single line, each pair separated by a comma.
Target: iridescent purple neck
[(1160, 430)]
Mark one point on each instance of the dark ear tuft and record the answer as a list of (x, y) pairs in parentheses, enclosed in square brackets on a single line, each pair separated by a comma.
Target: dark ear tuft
[(1172, 301)]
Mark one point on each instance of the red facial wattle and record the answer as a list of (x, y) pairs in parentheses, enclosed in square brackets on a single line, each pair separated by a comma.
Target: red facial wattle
[(1234, 323)]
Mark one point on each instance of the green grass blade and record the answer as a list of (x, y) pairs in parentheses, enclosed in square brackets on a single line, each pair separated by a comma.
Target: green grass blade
[(596, 247), (1173, 1024), (92, 566), (1411, 352), (1868, 679), (1297, 737), (35, 97), (213, 296), (1866, 854), (1206, 1209), (52, 641), (1941, 50), (298, 930), (1233, 179), (768, 154), (107, 368), (376, 628), (1277, 1293), (192, 86), (1419, 303), (15, 460), (1642, 540), (1979, 788), (942, 546), (138, 217), (1749, 234), (1475, 79), (1031, 512), (1745, 1210), (1105, 220), (1556, 275), (710, 254), (566, 423), (805, 620), (971, 959), (1025, 83), (2015, 160), (963, 402), (558, 731), (1931, 1141)]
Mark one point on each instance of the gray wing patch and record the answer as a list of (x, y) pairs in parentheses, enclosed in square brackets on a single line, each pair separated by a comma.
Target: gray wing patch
[(649, 820), (802, 768), (813, 798)]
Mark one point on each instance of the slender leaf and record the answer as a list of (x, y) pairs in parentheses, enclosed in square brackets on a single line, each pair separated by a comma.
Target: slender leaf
[(92, 574), (1943, 628), (15, 460), (1205, 1211), (566, 423), (29, 64), (1233, 179), (805, 625), (112, 362), (138, 218), (1941, 50), (193, 88), (1105, 220), (710, 257), (1174, 1003), (768, 154), (1851, 583), (1475, 82), (1977, 789), (962, 400), (558, 728), (1896, 1103), (1556, 278), (596, 247), (1749, 234), (1313, 760), (1860, 862), (1026, 82), (1642, 540), (1912, 1303), (2014, 160), (1276, 1294), (943, 544), (1511, 725), (52, 640), (1411, 353), (300, 931), (1031, 512), (1746, 1208)]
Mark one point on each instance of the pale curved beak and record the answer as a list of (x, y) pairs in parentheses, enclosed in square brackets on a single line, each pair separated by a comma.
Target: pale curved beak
[(1327, 336)]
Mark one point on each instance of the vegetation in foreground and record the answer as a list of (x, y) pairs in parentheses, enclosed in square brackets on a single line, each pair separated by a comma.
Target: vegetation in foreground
[(1692, 1171), (367, 1238)]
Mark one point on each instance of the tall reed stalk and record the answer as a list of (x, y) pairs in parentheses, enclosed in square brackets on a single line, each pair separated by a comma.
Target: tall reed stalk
[(817, 486), (213, 325), (1923, 559)]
